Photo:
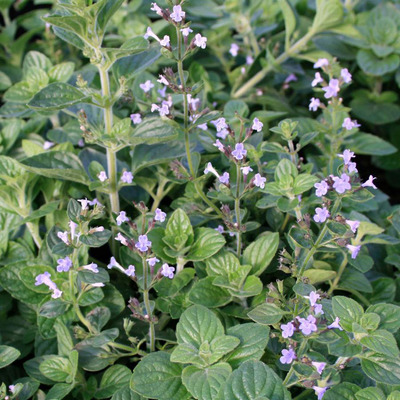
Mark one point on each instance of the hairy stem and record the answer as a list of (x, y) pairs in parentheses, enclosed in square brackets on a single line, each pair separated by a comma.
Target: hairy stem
[(342, 267), (237, 210), (146, 298)]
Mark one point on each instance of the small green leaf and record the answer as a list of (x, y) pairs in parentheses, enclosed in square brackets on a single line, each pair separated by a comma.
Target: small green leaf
[(289, 16), (389, 316), (56, 368), (8, 355), (114, 377), (381, 368), (266, 314), (347, 310), (96, 239), (370, 393), (207, 242), (206, 294), (329, 13)]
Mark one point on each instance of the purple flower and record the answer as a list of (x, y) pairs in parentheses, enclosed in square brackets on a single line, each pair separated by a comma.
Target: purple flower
[(322, 188), (219, 145), (369, 182), (203, 127), (122, 218), (249, 60), (291, 78), (314, 104), (240, 152), (313, 297), (220, 124), (165, 41), (84, 203), (307, 325), (64, 264), (209, 168), (259, 181), (320, 391), (257, 125), (91, 267), (94, 202), (56, 293), (224, 178), (352, 167), (159, 215), (143, 244), (234, 49), (130, 271), (127, 177), (146, 86), (220, 229), (347, 156), (287, 330), (63, 236), (72, 227), (113, 263), (136, 118), (335, 324), (348, 124), (163, 80), (102, 176), (47, 145), (122, 239), (320, 366), (186, 31), (167, 271), (321, 214), (318, 79), (157, 9), (153, 261), (341, 184), (354, 250), (43, 278), (177, 14), (162, 92), (318, 309), (332, 89), (322, 62), (246, 170), (353, 225), (287, 356), (223, 134), (346, 75), (200, 41)]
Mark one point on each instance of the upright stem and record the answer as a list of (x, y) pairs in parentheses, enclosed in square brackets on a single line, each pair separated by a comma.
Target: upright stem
[(264, 72), (299, 354), (34, 231), (237, 210), (146, 298), (342, 267)]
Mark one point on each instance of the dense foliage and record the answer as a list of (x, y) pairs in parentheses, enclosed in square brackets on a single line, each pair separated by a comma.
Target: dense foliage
[(189, 208)]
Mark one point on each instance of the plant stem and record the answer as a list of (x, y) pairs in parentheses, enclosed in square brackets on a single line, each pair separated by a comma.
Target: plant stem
[(237, 210), (264, 72), (146, 299), (299, 354), (34, 231), (338, 276)]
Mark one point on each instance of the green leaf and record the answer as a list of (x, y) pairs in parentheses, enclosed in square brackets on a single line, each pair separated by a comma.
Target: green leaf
[(236, 106), (126, 394), (179, 231), (381, 341), (373, 65), (53, 308), (260, 253), (253, 340), (74, 24), (57, 96), (304, 182), (21, 92), (254, 380), (285, 169), (394, 396), (329, 13), (61, 72), (266, 314), (378, 113), (197, 325), (204, 384), (45, 209), (59, 391), (365, 143), (207, 242), (36, 59), (370, 393), (64, 338), (343, 391), (290, 20), (8, 355), (381, 368), (206, 294), (56, 368), (106, 10), (114, 377), (389, 316), (157, 377), (96, 239), (347, 310)]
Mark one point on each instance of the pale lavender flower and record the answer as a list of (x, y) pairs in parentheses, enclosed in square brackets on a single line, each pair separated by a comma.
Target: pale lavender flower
[(341, 184), (347, 156), (162, 92), (165, 41), (136, 118), (287, 330), (321, 214), (186, 31), (163, 80), (348, 124), (288, 356), (335, 324), (113, 263), (177, 14), (81, 143), (246, 170), (122, 239), (240, 152), (163, 110), (97, 284), (223, 134), (122, 218), (64, 264), (353, 225), (346, 75), (318, 309), (224, 178), (91, 267), (352, 167), (314, 104), (320, 366), (146, 86), (322, 188), (354, 250), (153, 261), (150, 33), (72, 227), (203, 127), (320, 391), (291, 78), (63, 236), (220, 229), (130, 271), (219, 145), (167, 271), (11, 388), (257, 125), (259, 181), (47, 145), (156, 8), (127, 177), (313, 297), (102, 176), (369, 182), (194, 103), (57, 293), (332, 89), (44, 279), (95, 202), (159, 215), (220, 124), (143, 243), (97, 229), (249, 60), (200, 41), (307, 325), (234, 50), (211, 169), (84, 203), (322, 62), (318, 79)]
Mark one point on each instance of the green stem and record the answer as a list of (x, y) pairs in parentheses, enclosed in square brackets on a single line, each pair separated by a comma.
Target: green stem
[(237, 210), (299, 355), (146, 299), (180, 263), (264, 72), (34, 231), (338, 276), (292, 152), (360, 296)]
